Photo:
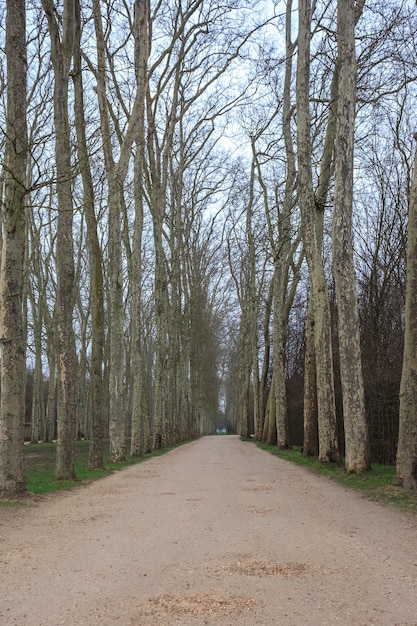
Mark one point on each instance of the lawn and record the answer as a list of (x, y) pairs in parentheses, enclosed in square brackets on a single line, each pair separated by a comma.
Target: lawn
[(377, 484), (40, 466)]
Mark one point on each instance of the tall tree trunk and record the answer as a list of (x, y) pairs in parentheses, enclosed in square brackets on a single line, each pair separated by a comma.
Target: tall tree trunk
[(252, 303), (406, 466), (356, 431), (284, 251), (61, 55), (310, 445), (116, 174), (115, 312), (328, 443), (95, 460), (12, 368), (140, 420)]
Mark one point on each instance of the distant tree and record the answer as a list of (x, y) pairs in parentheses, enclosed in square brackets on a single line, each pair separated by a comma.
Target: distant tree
[(34, 296), (380, 235), (406, 468), (189, 70), (12, 335), (242, 355)]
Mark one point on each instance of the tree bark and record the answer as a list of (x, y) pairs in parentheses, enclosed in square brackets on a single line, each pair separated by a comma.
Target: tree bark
[(284, 252), (12, 339), (140, 420), (61, 55), (270, 421), (263, 427), (311, 434), (328, 442), (115, 306), (278, 374), (95, 460), (357, 452), (116, 175)]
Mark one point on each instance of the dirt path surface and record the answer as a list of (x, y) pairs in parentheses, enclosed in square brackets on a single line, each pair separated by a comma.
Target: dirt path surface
[(215, 532)]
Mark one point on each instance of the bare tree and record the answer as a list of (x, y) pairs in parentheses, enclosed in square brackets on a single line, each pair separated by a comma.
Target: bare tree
[(357, 453), (116, 172), (406, 469), (186, 97), (95, 257), (328, 443), (12, 337), (61, 29), (287, 252), (140, 420)]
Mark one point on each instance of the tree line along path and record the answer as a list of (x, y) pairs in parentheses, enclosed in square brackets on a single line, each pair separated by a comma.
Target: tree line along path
[(214, 532)]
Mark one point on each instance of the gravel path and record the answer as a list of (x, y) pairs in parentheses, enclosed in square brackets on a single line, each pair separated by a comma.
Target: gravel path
[(215, 532)]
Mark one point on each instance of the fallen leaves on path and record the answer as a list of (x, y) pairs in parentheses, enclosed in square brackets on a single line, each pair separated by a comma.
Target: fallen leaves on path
[(196, 604), (264, 568)]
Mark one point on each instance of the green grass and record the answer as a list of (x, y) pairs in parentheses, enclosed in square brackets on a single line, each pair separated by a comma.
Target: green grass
[(377, 484), (40, 467)]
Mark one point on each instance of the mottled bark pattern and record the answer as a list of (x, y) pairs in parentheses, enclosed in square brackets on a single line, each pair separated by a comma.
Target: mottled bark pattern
[(284, 252), (62, 42), (356, 432), (12, 401), (278, 386), (328, 443)]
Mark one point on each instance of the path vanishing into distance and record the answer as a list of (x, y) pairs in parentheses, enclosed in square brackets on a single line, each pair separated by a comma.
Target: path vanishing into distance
[(214, 532)]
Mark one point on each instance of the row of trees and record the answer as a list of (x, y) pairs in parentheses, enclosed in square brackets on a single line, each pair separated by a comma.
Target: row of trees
[(120, 171), (346, 177), (183, 183)]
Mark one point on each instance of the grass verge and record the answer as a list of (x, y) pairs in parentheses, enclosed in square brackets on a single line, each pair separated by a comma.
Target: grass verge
[(377, 484), (40, 468)]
